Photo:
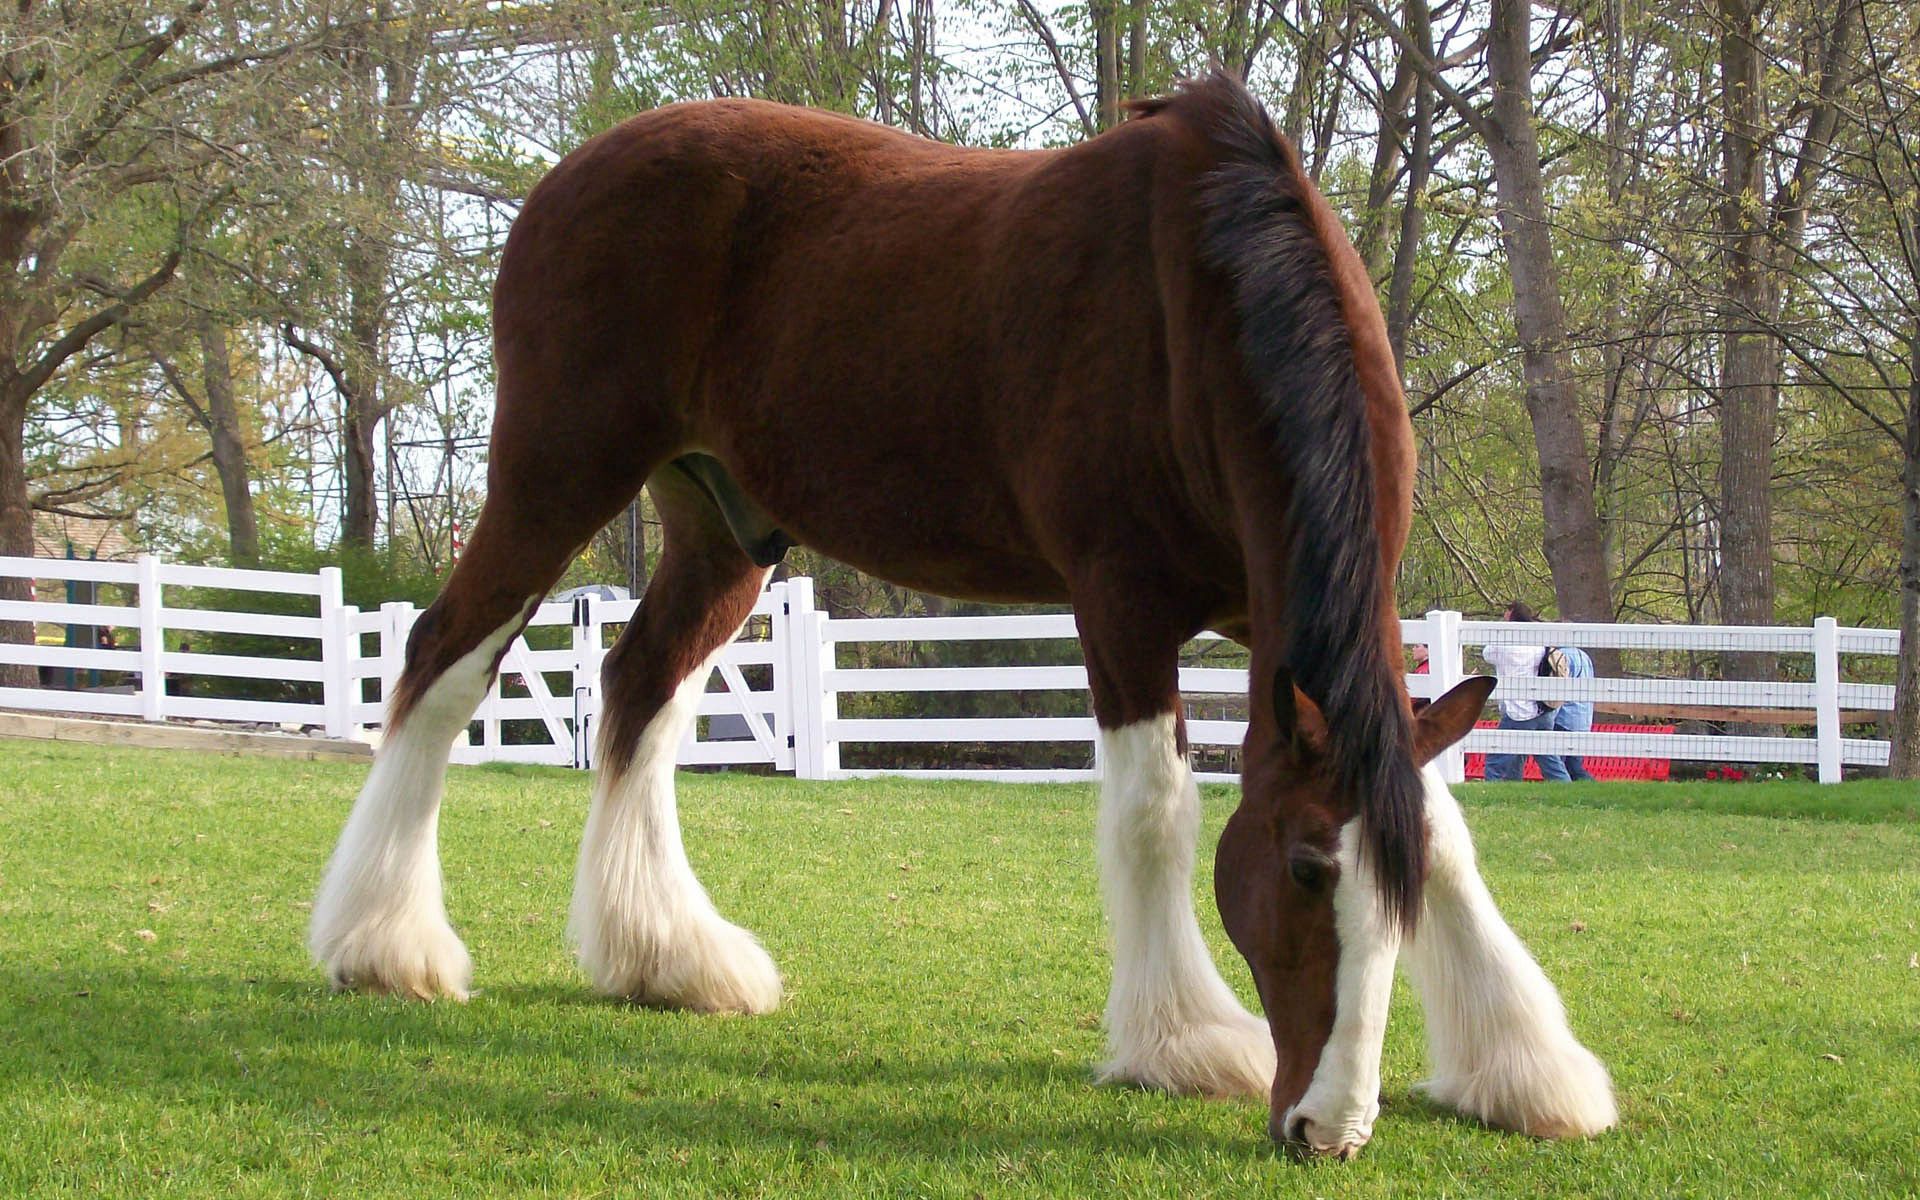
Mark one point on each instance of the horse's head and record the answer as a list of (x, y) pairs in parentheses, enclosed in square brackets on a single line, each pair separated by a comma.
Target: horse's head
[(1297, 899)]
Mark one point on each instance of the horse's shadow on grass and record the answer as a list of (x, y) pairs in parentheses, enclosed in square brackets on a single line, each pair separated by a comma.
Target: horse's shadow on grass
[(287, 1048)]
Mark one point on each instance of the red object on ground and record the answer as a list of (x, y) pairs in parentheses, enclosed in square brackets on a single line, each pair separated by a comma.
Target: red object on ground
[(1648, 769)]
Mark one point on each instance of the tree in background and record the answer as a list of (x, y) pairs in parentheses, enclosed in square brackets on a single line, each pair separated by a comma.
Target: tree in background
[(1769, 183), (121, 130), (1635, 263), (1859, 337)]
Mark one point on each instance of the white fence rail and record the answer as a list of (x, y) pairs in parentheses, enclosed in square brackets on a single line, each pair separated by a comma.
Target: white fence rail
[(778, 700)]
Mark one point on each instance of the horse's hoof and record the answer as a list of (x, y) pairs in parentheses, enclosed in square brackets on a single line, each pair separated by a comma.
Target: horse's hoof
[(1557, 1092), (416, 957), (716, 967), (1222, 1059)]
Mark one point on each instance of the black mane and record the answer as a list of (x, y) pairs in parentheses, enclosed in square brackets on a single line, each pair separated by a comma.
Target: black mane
[(1298, 355)]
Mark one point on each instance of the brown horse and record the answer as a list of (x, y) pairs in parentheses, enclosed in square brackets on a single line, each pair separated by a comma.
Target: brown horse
[(1146, 375)]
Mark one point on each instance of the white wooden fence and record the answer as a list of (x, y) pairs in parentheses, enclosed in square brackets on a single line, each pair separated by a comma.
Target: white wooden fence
[(779, 686)]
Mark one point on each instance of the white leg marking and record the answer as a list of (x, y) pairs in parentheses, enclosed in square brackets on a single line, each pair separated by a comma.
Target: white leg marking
[(378, 919), (1501, 1048), (645, 928), (1172, 1022), (1341, 1103)]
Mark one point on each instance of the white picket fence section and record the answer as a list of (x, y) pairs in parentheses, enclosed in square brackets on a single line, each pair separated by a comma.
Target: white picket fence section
[(780, 684)]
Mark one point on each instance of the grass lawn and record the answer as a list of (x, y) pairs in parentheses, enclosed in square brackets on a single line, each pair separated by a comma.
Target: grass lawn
[(1742, 956)]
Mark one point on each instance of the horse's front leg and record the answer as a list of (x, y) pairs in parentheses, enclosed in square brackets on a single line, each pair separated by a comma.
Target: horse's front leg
[(1172, 1022), (1498, 1036)]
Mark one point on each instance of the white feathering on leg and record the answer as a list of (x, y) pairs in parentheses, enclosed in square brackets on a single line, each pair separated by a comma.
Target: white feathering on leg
[(379, 922), (1172, 1022), (1497, 1032), (645, 928)]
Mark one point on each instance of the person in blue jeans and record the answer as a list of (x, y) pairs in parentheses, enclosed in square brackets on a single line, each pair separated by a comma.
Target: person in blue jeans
[(1575, 716), (1521, 662)]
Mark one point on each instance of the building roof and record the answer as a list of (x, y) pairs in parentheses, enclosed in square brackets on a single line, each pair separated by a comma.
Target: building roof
[(90, 537)]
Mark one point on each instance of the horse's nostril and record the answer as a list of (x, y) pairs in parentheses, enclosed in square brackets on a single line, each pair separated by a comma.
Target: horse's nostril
[(1297, 1130)]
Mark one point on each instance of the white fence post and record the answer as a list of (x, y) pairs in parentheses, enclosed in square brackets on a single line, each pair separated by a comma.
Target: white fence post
[(1446, 662), (813, 705), (396, 624), (335, 652), (351, 684), (586, 677), (826, 700), (785, 696), (803, 690), (153, 682), (1826, 696)]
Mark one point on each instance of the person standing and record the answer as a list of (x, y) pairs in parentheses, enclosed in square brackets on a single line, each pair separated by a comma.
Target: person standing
[(1521, 662), (1575, 716)]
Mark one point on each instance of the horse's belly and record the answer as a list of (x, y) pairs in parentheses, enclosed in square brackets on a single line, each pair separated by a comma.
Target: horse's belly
[(895, 511)]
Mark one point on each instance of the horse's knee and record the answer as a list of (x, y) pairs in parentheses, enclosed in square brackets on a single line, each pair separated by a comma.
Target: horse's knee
[(1149, 805)]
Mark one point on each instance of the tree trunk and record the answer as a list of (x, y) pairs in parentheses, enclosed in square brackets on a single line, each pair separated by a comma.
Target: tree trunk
[(1616, 320), (356, 443), (362, 402), (1413, 213), (1137, 49), (1750, 354), (1396, 125), (1905, 760), (1573, 545), (229, 446), (16, 526), (1296, 119), (1106, 54)]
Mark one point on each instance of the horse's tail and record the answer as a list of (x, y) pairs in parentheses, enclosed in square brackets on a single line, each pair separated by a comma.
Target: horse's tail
[(1269, 232)]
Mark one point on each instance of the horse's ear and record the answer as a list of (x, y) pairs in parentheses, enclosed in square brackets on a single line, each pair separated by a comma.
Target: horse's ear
[(1302, 727), (1450, 718)]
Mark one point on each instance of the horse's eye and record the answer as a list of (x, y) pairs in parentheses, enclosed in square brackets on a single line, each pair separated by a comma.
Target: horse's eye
[(1308, 873)]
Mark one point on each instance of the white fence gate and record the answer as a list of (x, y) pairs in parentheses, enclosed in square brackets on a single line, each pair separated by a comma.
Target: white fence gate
[(779, 686), (544, 705)]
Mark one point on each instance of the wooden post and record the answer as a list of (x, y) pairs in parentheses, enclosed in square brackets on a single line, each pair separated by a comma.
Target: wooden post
[(350, 670), (785, 702), (813, 705), (826, 700)]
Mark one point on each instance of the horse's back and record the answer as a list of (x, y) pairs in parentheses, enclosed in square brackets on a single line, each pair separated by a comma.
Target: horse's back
[(898, 317)]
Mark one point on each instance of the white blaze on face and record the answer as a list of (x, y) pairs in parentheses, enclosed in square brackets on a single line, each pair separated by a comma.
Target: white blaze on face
[(1336, 1115)]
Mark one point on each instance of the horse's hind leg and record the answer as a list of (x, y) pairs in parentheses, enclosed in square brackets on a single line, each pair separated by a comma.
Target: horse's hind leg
[(645, 927), (378, 919), (1172, 1022)]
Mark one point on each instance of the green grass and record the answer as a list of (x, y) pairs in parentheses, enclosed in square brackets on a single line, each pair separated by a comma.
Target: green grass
[(1747, 977)]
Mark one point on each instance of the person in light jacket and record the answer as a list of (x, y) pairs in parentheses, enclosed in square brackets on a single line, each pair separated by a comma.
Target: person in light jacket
[(1575, 716), (1520, 662)]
